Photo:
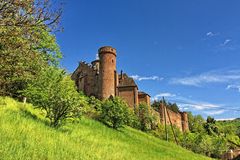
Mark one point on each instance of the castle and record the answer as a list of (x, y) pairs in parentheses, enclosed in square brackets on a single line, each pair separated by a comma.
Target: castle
[(101, 80)]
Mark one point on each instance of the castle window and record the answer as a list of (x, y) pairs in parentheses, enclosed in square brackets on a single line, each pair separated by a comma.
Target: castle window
[(112, 60)]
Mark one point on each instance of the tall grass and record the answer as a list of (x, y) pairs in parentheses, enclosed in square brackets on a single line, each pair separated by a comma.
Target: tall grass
[(24, 135)]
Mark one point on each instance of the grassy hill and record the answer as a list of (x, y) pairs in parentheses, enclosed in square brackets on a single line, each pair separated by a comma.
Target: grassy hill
[(25, 135)]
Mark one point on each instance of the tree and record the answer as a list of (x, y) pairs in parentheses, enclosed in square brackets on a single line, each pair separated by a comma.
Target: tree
[(172, 106), (210, 126), (115, 112), (55, 93), (147, 120), (26, 42), (156, 103), (195, 123)]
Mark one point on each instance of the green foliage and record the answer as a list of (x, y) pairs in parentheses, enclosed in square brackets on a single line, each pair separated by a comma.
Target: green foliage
[(55, 93), (93, 109), (204, 144), (210, 126), (147, 119), (26, 43), (172, 106), (210, 137), (196, 123), (115, 113), (133, 119), (24, 137)]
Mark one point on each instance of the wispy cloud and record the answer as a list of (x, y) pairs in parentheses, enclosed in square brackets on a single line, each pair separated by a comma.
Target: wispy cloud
[(208, 77), (143, 78), (225, 119), (227, 41), (233, 86), (199, 105), (186, 104), (164, 94), (214, 112), (211, 34)]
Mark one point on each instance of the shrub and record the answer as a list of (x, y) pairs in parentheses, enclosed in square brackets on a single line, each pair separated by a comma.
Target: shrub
[(93, 109), (115, 113), (55, 93), (147, 120), (133, 119)]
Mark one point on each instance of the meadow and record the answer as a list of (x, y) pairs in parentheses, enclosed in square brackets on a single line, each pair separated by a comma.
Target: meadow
[(25, 134)]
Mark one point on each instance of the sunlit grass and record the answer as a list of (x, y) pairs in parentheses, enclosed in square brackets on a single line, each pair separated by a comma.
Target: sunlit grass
[(25, 135)]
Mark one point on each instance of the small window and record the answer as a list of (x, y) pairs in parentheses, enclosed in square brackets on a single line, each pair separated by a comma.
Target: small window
[(112, 61)]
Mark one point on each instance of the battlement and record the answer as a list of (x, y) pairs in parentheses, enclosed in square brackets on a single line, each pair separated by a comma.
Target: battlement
[(107, 49)]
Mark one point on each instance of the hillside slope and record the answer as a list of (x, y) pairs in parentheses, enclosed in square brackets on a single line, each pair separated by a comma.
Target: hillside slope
[(24, 135)]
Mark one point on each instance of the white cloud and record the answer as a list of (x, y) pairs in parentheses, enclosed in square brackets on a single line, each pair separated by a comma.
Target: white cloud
[(160, 95), (232, 86), (143, 78), (208, 77), (185, 103), (214, 112), (201, 106), (226, 42), (211, 34), (225, 119)]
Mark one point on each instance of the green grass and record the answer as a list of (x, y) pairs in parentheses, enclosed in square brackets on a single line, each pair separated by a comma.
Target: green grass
[(25, 135)]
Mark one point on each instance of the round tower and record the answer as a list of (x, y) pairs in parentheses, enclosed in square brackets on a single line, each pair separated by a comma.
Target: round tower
[(107, 72), (184, 116)]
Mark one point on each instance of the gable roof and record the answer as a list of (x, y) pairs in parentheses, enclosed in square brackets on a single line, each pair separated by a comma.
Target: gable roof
[(126, 81)]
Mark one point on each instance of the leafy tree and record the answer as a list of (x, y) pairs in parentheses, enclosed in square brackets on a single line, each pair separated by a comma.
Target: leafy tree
[(94, 108), (156, 103), (238, 131), (172, 106), (147, 120), (115, 112), (210, 126), (195, 123), (55, 93), (133, 120), (26, 42)]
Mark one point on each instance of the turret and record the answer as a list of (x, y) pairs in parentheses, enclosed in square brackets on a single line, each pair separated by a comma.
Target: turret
[(107, 72), (184, 117), (96, 65)]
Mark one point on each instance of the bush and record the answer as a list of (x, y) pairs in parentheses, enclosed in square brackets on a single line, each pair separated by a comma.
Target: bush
[(115, 113), (147, 120), (55, 93), (134, 120), (93, 109)]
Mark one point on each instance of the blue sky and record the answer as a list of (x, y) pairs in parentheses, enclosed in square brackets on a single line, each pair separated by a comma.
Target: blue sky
[(187, 51)]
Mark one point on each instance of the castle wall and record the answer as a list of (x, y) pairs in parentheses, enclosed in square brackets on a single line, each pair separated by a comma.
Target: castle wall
[(180, 120), (128, 95), (86, 79), (102, 81), (144, 98)]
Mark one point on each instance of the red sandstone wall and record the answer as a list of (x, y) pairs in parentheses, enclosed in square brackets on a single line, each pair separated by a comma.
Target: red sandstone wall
[(127, 94), (180, 120), (144, 99), (86, 79)]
